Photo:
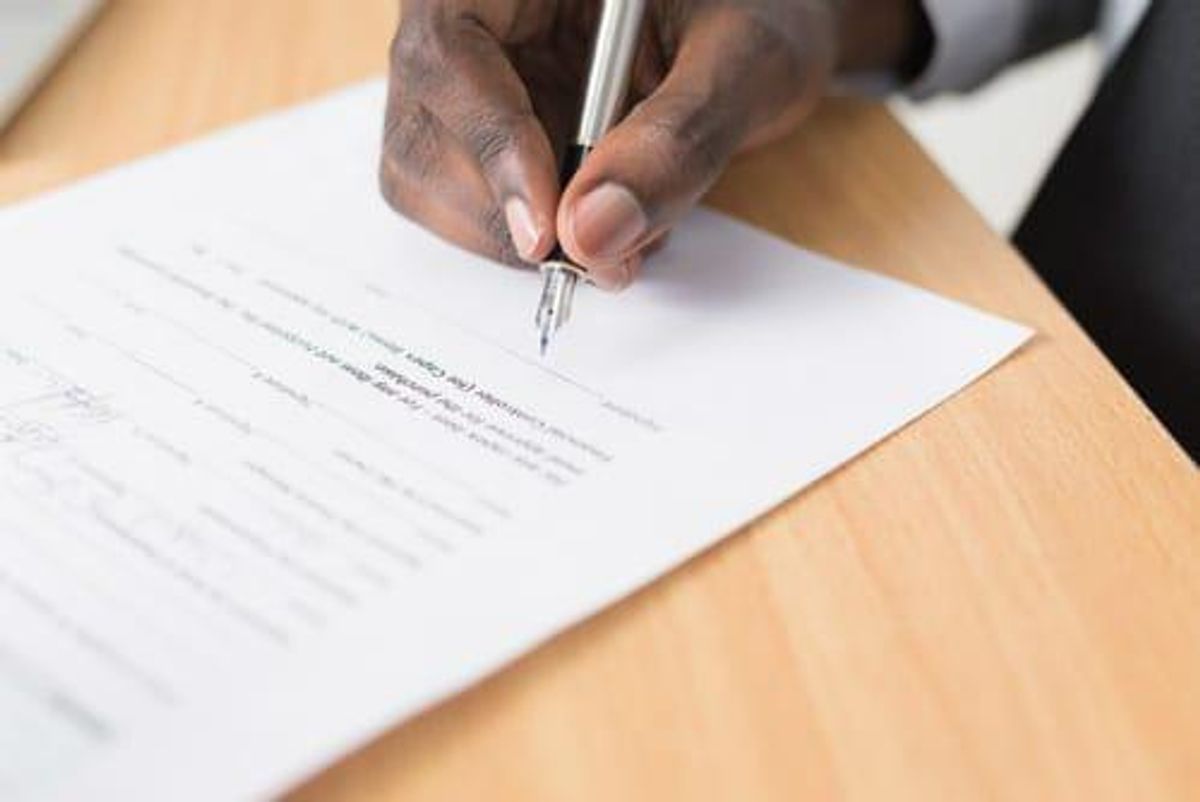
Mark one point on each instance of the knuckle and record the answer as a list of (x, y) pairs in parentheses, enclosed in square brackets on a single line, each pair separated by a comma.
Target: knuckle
[(395, 189), (411, 143), (781, 43), (419, 54), (490, 136), (407, 44), (771, 28), (410, 58), (387, 185), (688, 137), (411, 157)]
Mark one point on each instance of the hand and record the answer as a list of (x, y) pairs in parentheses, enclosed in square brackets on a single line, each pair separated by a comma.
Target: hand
[(485, 93)]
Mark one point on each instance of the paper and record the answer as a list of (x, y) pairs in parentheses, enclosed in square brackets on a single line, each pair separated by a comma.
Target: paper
[(278, 469)]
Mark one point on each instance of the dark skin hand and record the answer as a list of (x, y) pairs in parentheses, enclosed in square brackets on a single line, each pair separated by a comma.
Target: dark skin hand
[(485, 94)]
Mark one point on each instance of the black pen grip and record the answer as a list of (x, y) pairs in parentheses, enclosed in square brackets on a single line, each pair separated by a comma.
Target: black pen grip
[(571, 162)]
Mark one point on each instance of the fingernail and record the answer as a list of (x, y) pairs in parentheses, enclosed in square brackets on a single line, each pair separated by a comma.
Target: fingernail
[(616, 276), (607, 222), (522, 228)]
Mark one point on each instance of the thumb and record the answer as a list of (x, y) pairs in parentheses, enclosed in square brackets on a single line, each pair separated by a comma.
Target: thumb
[(732, 75)]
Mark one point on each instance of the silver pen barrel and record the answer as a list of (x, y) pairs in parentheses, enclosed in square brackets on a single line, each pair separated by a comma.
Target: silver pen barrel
[(610, 69), (607, 84)]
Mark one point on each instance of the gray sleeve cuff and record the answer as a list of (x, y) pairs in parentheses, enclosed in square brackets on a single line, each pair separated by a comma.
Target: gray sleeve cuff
[(973, 40)]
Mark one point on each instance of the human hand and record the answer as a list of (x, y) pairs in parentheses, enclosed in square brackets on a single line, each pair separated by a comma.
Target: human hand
[(485, 93)]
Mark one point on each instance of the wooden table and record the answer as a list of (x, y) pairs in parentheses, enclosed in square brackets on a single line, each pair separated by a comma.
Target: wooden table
[(1002, 601)]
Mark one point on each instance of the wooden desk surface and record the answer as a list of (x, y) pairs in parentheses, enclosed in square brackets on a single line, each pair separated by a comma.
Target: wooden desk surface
[(1001, 601)]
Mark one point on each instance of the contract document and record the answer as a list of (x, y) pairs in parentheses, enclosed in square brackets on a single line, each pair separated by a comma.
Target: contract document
[(279, 469)]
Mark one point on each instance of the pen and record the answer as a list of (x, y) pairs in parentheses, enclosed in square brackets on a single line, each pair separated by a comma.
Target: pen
[(608, 80)]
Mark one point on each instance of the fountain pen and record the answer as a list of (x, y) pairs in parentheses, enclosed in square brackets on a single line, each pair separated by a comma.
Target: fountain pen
[(608, 81)]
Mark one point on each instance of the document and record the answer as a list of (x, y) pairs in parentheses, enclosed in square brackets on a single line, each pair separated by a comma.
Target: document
[(279, 469)]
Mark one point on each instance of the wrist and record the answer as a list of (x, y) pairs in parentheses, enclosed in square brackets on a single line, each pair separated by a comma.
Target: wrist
[(883, 36)]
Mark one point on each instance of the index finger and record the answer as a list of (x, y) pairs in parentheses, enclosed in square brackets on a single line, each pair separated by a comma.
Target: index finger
[(449, 59)]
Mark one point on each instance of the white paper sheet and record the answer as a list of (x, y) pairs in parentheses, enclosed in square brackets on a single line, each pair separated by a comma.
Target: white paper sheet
[(278, 469)]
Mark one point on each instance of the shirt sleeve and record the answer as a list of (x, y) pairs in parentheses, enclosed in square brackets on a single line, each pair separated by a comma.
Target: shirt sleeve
[(975, 39)]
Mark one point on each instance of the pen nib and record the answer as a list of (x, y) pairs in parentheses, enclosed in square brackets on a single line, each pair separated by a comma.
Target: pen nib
[(554, 309)]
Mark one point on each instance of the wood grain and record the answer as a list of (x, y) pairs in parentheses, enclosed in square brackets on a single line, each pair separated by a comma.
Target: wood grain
[(1001, 601)]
